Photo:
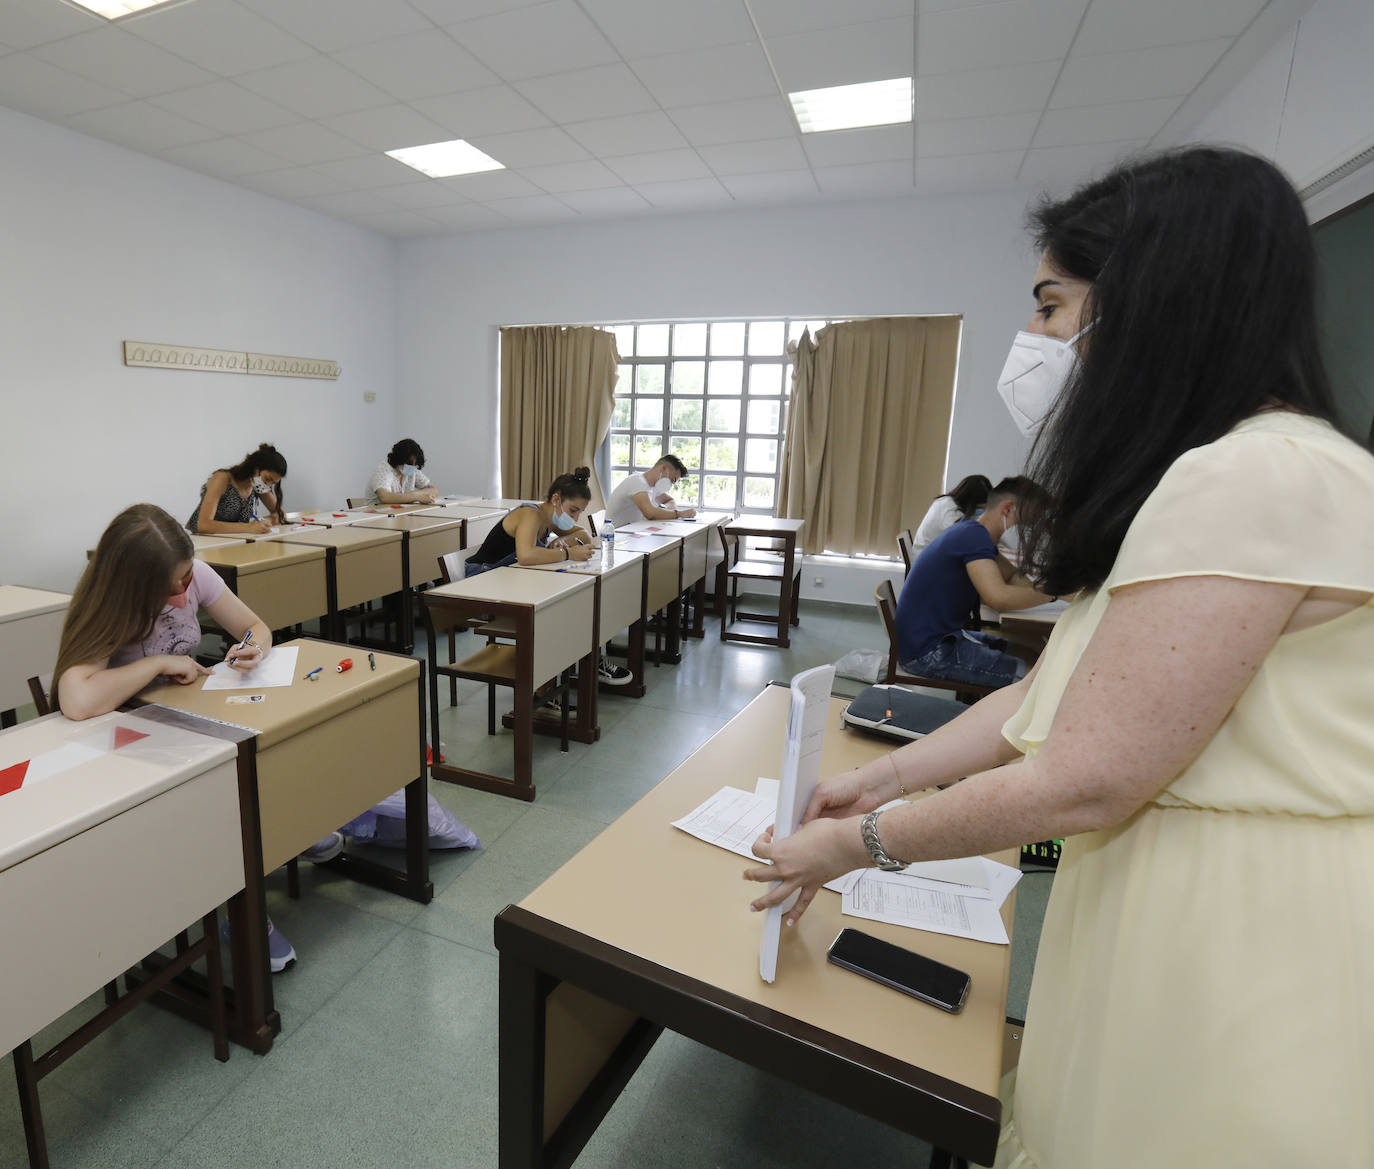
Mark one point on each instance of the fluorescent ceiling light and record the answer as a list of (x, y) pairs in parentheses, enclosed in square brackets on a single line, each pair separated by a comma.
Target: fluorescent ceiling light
[(114, 9), (846, 107), (442, 160)]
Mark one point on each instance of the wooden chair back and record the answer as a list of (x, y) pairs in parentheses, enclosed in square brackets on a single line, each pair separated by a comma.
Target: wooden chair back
[(357, 501), (886, 598), (40, 690), (905, 539)]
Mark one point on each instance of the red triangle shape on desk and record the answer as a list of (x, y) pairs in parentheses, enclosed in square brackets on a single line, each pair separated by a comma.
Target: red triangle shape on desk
[(124, 736), (12, 778)]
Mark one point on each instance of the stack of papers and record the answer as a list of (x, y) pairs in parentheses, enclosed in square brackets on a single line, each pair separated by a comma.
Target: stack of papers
[(962, 897)]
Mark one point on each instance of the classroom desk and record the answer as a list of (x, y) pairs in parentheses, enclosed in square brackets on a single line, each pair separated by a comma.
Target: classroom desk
[(789, 588), (425, 537), (648, 929), (479, 519), (282, 583), (505, 505), (362, 564), (280, 532), (30, 632), (200, 543), (555, 624), (662, 585), (698, 539), (343, 517), (315, 755), (619, 604), (112, 844)]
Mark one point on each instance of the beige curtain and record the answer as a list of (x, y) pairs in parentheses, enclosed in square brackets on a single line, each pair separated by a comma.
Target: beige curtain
[(867, 429), (557, 397)]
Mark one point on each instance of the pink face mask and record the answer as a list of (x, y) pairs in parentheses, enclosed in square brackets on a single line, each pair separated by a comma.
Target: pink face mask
[(179, 598)]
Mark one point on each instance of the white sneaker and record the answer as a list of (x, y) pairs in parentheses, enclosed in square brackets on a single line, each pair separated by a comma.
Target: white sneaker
[(325, 850), (610, 675)]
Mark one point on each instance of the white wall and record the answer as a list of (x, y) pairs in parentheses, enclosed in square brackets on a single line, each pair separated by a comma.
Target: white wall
[(103, 245), (913, 256)]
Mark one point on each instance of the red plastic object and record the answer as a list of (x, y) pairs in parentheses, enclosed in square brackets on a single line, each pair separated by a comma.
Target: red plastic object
[(346, 664)]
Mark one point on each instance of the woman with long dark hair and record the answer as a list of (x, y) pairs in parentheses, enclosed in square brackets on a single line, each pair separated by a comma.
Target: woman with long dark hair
[(960, 502), (1201, 724), (246, 497)]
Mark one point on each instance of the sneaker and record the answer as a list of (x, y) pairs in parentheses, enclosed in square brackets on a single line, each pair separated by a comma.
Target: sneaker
[(281, 953), (611, 675), (552, 708), (325, 850)]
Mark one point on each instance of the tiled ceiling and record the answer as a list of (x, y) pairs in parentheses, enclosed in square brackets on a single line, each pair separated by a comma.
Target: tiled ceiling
[(607, 108)]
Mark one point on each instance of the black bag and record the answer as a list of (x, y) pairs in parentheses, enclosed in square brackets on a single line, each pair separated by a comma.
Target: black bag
[(898, 713)]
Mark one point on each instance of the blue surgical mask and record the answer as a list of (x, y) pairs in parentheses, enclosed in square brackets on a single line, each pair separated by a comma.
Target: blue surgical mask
[(410, 469), (563, 522)]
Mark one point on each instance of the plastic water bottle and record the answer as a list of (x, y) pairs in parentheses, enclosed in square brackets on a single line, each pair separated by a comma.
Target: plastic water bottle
[(608, 540)]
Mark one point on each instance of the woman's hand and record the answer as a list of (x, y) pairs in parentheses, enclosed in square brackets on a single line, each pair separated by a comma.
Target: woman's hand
[(258, 527), (580, 551), (806, 860), (244, 657), (184, 669), (855, 793)]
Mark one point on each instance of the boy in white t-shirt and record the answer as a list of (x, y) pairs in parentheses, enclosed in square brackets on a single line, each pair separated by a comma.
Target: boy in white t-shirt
[(645, 496), (400, 478)]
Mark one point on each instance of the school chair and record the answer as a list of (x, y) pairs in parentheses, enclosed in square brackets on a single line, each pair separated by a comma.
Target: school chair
[(358, 501), (594, 520), (905, 539), (735, 567), (886, 600), (40, 690)]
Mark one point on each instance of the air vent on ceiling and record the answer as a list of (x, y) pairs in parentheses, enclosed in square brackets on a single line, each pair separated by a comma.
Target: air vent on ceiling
[(1347, 168)]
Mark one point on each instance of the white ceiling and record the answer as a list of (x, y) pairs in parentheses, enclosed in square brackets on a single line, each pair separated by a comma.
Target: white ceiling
[(606, 108)]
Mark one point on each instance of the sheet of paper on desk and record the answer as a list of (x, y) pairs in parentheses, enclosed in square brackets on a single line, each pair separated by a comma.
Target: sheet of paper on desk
[(731, 819), (278, 669), (876, 896)]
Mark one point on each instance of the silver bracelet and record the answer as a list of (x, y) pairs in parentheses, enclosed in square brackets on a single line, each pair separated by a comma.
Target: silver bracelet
[(868, 830)]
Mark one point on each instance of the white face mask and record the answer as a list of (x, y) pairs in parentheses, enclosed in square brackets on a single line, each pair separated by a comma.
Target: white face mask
[(1034, 376), (663, 487), (259, 486), (409, 469)]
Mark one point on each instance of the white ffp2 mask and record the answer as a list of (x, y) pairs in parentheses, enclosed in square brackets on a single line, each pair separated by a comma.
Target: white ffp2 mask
[(1034, 375)]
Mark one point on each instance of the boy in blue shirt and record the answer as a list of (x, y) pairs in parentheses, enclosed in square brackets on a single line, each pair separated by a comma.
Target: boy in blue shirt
[(956, 572)]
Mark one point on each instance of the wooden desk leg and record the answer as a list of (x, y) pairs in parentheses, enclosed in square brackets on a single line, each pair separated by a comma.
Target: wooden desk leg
[(520, 1123), (789, 557), (8, 718), (672, 653), (699, 608), (635, 659), (524, 706), (31, 1112), (588, 680), (253, 1021)]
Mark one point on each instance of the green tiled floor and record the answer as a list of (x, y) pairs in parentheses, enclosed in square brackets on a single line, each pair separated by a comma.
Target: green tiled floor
[(388, 1050)]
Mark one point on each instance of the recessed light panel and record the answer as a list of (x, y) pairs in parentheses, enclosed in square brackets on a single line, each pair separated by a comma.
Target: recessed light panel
[(848, 107), (114, 9), (442, 160)]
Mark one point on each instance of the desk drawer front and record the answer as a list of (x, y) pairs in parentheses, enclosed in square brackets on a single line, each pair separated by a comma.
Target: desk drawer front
[(621, 596), (562, 633), (663, 580), (427, 547), (286, 595), (368, 573)]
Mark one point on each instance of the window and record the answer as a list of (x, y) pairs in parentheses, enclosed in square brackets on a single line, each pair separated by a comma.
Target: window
[(714, 393)]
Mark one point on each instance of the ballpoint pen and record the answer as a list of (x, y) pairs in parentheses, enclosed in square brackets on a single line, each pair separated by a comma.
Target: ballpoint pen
[(247, 637)]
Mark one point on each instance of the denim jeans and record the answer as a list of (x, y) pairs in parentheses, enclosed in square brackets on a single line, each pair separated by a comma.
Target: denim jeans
[(969, 656), (472, 568)]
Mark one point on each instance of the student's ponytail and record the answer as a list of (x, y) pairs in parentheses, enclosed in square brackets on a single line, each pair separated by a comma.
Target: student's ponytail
[(571, 486)]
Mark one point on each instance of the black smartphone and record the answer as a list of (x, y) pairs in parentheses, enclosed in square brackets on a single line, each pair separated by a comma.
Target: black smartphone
[(923, 978)]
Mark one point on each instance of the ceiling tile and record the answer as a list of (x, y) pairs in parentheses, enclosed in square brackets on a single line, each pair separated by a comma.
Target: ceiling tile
[(140, 126), (497, 109), (421, 196), (975, 93), (353, 202), (315, 88), (372, 170), (529, 147), (292, 183), (750, 158), (387, 127), (872, 178), (24, 25), (420, 65), (329, 25), (220, 35), (604, 91), (491, 184), (844, 56), (227, 107), (1110, 123), (734, 121), (571, 176), (533, 209), (1128, 24), (659, 166), (638, 29), (632, 134), (225, 157), (1061, 168), (725, 73), (113, 57), (967, 172), (611, 201), (975, 135), (398, 223), (772, 188), (466, 216), (530, 42), (305, 143), (35, 87), (847, 147), (989, 35), (1171, 71), (454, 11), (684, 196), (780, 17)]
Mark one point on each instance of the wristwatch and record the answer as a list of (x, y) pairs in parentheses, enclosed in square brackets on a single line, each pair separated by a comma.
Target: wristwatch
[(868, 829)]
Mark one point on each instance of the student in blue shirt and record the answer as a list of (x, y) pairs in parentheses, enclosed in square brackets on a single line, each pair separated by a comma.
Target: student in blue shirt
[(956, 572)]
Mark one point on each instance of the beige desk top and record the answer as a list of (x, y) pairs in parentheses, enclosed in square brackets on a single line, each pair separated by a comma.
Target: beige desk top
[(94, 780), (288, 710), (345, 539), (596, 566), (250, 558), (18, 602), (653, 891), (199, 542), (654, 544), (418, 522), (325, 517), (764, 525), (503, 504), (279, 531), (467, 511), (513, 586)]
